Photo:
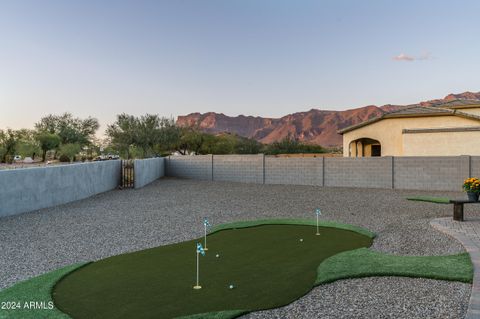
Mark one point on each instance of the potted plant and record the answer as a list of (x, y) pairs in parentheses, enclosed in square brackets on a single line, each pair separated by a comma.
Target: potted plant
[(472, 187)]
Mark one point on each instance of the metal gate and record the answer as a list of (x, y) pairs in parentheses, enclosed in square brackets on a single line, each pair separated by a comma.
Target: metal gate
[(127, 174)]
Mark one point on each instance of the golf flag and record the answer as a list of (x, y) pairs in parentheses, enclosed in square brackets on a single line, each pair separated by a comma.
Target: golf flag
[(200, 249), (318, 212), (206, 223)]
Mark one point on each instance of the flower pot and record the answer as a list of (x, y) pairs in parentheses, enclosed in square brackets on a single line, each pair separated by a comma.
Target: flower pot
[(473, 196)]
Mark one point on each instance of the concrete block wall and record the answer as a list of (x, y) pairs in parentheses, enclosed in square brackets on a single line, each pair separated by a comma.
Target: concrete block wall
[(194, 167), (238, 168), (372, 172), (431, 173), (475, 166), (296, 171), (29, 189), (148, 170)]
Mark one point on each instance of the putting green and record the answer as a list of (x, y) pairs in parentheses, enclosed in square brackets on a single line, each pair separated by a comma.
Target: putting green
[(269, 266)]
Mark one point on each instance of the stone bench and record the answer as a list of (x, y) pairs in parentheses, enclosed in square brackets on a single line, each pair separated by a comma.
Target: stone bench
[(458, 207)]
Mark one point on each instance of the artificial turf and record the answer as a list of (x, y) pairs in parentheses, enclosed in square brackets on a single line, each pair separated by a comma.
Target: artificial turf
[(38, 290), (292, 221), (430, 199), (267, 264), (367, 263)]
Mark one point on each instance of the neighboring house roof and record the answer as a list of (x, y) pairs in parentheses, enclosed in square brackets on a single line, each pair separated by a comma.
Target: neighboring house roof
[(420, 111), (457, 103)]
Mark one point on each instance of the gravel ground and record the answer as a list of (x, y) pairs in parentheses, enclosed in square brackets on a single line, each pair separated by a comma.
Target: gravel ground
[(377, 297), (171, 210)]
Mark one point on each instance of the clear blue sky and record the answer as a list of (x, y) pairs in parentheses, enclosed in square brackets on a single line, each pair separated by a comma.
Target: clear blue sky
[(266, 58)]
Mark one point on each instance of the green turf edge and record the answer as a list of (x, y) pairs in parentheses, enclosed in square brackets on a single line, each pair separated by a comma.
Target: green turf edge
[(364, 262), (292, 221), (226, 314), (36, 289), (430, 199)]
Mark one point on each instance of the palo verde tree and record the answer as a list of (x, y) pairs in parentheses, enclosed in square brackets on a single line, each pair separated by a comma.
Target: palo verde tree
[(69, 129), (123, 133), (27, 145), (149, 133), (47, 141)]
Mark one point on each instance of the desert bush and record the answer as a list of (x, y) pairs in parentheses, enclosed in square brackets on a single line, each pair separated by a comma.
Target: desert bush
[(64, 158), (70, 150)]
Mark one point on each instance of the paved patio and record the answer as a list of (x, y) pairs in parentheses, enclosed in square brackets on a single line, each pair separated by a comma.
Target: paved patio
[(468, 233), (171, 210)]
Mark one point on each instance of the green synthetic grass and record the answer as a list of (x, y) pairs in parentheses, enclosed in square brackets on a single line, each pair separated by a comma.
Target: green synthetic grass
[(292, 221), (430, 199), (268, 265), (37, 289), (216, 315), (367, 263)]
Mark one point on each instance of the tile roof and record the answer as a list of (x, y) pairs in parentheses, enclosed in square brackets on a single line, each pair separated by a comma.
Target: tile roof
[(414, 110), (419, 110)]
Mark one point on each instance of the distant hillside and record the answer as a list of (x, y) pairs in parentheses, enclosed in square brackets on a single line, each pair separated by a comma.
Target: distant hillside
[(314, 126)]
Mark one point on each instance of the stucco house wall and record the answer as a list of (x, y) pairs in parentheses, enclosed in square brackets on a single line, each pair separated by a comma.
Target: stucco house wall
[(389, 132), (441, 144)]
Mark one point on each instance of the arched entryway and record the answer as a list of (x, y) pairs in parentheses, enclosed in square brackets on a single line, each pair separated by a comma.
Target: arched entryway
[(365, 147)]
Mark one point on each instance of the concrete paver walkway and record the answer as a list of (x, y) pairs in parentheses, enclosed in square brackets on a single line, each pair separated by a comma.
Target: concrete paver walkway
[(468, 233)]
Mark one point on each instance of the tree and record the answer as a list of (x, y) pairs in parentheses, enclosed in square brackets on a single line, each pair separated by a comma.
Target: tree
[(290, 145), (170, 134), (148, 133), (70, 150), (248, 146), (27, 145), (190, 141), (47, 141), (71, 130), (8, 142), (123, 133)]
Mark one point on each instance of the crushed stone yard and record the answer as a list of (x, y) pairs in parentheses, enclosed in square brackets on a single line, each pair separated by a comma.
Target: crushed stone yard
[(172, 210)]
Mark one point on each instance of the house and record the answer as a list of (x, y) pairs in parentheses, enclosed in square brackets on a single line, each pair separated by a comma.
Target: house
[(447, 129)]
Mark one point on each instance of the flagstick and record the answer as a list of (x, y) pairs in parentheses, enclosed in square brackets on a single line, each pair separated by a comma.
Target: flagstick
[(205, 237), (197, 286), (318, 233)]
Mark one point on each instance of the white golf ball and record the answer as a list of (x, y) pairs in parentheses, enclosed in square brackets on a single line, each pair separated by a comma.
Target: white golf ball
[(231, 286), (301, 239), (217, 255)]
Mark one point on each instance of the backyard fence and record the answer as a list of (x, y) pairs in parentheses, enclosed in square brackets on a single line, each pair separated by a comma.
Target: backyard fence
[(28, 189), (424, 173), (148, 170), (127, 174)]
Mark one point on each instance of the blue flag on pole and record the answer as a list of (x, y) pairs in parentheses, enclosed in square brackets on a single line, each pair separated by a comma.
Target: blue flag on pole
[(206, 223), (200, 249), (318, 212)]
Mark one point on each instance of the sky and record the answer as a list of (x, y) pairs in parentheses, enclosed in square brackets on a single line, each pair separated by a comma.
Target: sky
[(263, 58)]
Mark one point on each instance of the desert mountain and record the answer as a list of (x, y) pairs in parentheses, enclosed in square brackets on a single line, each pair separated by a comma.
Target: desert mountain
[(314, 126)]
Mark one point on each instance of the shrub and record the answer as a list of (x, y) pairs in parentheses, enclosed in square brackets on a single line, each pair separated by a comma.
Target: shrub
[(70, 150), (64, 158), (290, 145)]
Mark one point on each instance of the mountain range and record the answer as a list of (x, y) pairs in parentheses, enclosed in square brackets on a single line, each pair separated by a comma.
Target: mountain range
[(314, 126)]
